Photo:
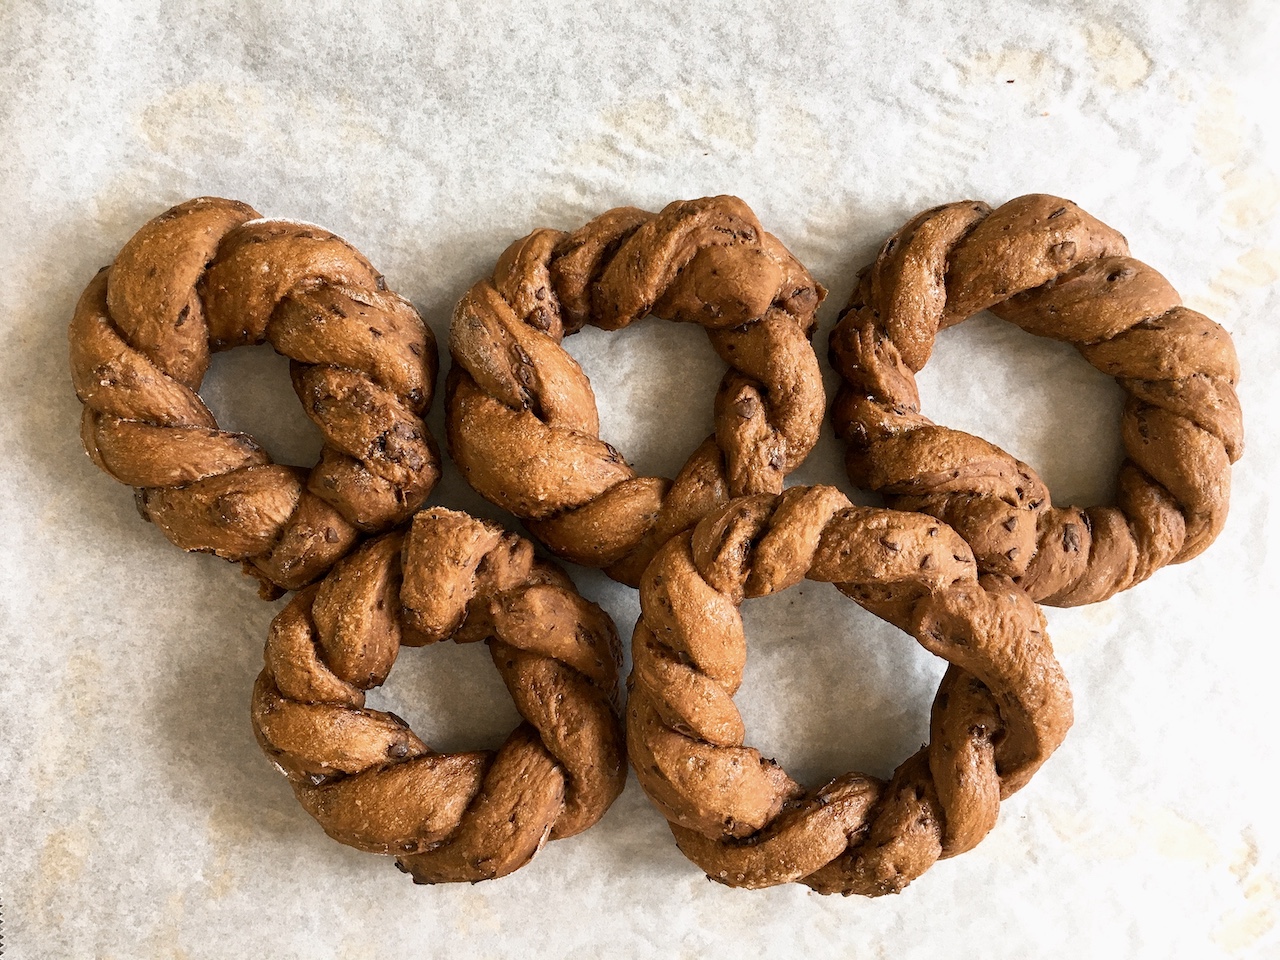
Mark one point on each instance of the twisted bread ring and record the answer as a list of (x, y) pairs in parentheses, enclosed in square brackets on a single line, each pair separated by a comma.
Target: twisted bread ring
[(522, 420), (1002, 708), (210, 275), (1047, 266), (363, 774)]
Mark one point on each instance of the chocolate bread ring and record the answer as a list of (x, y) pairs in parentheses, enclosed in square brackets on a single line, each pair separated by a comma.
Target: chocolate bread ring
[(1001, 710), (522, 421), (208, 275), (1044, 264), (364, 775)]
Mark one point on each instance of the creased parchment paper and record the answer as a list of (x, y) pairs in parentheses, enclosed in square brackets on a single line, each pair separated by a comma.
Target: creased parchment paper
[(138, 817)]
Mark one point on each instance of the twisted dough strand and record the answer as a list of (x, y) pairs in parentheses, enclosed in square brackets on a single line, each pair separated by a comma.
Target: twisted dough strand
[(522, 420), (363, 774), (210, 275), (1002, 708), (1047, 266)]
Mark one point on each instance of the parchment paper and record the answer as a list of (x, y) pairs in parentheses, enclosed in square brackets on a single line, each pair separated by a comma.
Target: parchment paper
[(138, 817)]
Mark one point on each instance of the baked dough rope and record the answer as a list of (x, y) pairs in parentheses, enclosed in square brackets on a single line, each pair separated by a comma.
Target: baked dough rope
[(1044, 264), (1002, 708), (210, 274), (522, 421), (364, 775)]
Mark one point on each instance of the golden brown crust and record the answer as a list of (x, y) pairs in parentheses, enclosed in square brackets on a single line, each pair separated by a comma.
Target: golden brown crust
[(363, 774), (210, 275), (522, 421), (1001, 710), (1043, 263)]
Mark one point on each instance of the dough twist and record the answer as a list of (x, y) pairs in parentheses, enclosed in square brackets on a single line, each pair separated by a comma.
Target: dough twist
[(363, 774), (522, 420), (210, 275), (1002, 708), (1052, 269)]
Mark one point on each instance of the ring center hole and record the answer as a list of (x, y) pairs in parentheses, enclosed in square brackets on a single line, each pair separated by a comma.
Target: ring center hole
[(1035, 398), (830, 688), (451, 695), (249, 391), (655, 384)]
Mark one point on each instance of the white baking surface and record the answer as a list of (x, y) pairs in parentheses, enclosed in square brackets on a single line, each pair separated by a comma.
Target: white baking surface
[(138, 817)]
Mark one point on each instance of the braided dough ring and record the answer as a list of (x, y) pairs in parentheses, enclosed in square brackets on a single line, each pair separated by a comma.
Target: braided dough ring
[(522, 420), (1002, 708), (1047, 266), (363, 774), (209, 274)]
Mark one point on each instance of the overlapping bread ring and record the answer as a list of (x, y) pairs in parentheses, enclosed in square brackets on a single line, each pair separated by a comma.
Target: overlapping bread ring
[(522, 420), (207, 275), (1052, 269), (363, 774), (1002, 708)]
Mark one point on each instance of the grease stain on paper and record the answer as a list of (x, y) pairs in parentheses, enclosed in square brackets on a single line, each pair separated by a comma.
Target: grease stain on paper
[(61, 863), (476, 914), (63, 856), (705, 130), (65, 747), (1241, 927), (1009, 79), (82, 685), (1077, 628), (1219, 132), (1251, 194), (230, 829), (226, 831), (1009, 64), (359, 948), (1247, 859), (1156, 830), (703, 116), (360, 904), (213, 118), (208, 117), (1032, 74), (1254, 270), (1160, 832), (1119, 61), (168, 929), (672, 126), (1252, 198)]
